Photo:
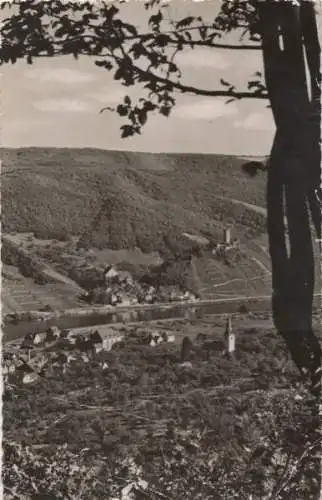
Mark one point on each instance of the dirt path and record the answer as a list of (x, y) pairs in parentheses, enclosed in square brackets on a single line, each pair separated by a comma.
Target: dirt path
[(255, 208), (260, 264)]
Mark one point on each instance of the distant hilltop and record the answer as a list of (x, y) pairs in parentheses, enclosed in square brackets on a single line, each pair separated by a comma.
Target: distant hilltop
[(120, 199)]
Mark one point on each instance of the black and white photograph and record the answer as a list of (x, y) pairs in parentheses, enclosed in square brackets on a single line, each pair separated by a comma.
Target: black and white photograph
[(161, 249)]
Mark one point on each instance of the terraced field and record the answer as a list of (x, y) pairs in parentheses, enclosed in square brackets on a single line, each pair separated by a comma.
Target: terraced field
[(251, 277), (20, 294)]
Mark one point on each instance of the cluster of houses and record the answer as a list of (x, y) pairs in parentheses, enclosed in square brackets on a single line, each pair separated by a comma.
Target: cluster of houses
[(55, 349), (40, 354), (120, 289), (156, 338)]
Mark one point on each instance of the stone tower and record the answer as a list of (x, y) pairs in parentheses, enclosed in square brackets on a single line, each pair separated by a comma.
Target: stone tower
[(227, 235)]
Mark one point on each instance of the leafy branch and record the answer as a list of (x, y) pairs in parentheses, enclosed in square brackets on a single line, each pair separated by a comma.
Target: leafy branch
[(148, 58)]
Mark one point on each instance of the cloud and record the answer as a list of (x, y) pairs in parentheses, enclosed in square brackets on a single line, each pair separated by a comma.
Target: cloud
[(206, 58), (206, 109), (256, 121), (59, 75), (105, 96), (61, 105)]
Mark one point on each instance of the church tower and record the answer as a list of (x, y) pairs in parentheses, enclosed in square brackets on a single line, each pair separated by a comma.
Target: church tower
[(230, 337)]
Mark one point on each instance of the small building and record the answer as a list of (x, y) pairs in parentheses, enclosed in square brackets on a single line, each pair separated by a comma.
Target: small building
[(114, 299), (28, 341), (167, 337), (39, 338), (230, 337), (29, 378), (109, 341), (110, 274)]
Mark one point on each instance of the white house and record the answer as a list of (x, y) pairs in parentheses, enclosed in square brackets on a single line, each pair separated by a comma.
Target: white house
[(39, 338), (110, 273)]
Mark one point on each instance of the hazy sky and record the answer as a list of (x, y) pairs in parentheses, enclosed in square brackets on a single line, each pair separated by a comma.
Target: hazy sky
[(56, 102)]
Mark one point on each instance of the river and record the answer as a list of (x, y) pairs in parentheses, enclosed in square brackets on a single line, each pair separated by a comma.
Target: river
[(190, 310)]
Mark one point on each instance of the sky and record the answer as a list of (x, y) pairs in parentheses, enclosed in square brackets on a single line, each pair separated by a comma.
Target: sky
[(57, 102)]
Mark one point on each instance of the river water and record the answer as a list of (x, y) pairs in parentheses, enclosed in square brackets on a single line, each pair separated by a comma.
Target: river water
[(174, 311)]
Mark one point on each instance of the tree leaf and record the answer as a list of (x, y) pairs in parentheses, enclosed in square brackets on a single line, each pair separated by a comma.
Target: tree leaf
[(142, 116), (156, 19), (104, 64), (111, 12), (127, 131), (130, 28), (172, 67), (186, 21), (149, 106), (165, 110), (119, 74), (122, 110), (138, 50), (223, 82), (162, 40)]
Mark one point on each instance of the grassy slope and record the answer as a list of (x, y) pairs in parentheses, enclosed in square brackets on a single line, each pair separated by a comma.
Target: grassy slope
[(122, 199)]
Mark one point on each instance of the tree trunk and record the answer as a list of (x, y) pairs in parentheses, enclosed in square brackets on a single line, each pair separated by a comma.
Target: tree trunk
[(289, 34)]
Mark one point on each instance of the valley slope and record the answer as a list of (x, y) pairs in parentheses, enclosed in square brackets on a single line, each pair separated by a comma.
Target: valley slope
[(120, 199), (133, 208)]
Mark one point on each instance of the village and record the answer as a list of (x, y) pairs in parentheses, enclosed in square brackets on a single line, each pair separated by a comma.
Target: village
[(54, 351), (84, 279)]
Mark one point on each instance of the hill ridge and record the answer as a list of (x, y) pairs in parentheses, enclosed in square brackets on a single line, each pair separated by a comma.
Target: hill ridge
[(63, 191), (126, 151)]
